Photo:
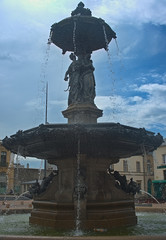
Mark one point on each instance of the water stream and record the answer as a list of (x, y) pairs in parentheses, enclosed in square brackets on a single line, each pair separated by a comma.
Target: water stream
[(8, 173), (78, 209), (112, 75), (40, 169), (154, 199), (74, 37), (40, 110), (17, 169), (150, 195)]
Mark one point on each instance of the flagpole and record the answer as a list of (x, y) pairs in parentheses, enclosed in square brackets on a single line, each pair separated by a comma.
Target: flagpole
[(45, 161), (46, 103)]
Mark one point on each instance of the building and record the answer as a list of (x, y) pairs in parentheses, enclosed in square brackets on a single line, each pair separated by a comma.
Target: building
[(140, 168), (6, 170), (159, 182), (25, 177), (16, 178)]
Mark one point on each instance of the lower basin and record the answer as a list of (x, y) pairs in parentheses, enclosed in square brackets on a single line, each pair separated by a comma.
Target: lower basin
[(152, 224)]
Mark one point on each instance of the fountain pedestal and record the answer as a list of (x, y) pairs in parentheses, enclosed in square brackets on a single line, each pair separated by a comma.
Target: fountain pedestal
[(82, 113), (101, 203)]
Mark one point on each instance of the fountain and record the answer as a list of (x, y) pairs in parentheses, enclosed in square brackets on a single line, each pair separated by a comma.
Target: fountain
[(83, 195)]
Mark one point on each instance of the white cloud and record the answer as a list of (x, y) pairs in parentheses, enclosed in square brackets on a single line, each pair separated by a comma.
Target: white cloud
[(156, 90), (133, 11), (137, 111), (136, 99)]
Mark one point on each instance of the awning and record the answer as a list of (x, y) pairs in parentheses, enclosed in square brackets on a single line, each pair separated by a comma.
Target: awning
[(159, 181), (164, 166)]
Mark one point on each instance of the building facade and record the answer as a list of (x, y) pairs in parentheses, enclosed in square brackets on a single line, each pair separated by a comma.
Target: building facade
[(24, 178), (159, 182), (140, 168), (6, 170)]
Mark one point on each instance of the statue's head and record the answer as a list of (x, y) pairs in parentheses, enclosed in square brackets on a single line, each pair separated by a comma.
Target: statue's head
[(72, 56), (81, 4)]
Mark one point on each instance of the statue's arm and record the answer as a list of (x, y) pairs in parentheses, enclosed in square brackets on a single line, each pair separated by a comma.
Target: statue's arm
[(66, 74)]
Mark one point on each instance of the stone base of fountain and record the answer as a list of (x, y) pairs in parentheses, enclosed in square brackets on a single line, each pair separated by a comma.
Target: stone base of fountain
[(101, 204), (83, 153), (82, 113), (98, 215)]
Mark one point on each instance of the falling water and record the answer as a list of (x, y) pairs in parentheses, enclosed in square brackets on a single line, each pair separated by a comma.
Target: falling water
[(119, 54), (154, 199), (112, 97), (40, 169), (78, 220), (150, 195), (74, 37), (10, 167), (17, 168), (40, 110), (106, 39), (49, 38)]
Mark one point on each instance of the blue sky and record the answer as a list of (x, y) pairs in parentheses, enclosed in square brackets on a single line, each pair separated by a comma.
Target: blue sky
[(131, 87)]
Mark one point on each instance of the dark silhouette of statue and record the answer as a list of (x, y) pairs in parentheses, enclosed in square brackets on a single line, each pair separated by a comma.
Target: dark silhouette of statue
[(35, 189), (133, 187), (81, 80), (121, 182), (80, 10), (47, 180)]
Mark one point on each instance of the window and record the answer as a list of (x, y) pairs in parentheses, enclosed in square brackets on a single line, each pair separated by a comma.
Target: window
[(3, 159), (164, 158), (138, 167), (149, 186), (164, 173), (125, 166), (148, 166), (2, 177)]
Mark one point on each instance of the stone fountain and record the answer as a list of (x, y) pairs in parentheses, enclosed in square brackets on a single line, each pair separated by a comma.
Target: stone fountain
[(83, 191)]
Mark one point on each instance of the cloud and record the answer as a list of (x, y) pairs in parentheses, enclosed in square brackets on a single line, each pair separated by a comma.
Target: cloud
[(132, 11), (136, 99), (155, 90), (137, 111)]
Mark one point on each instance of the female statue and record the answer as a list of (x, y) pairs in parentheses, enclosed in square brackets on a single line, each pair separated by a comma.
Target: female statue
[(81, 80)]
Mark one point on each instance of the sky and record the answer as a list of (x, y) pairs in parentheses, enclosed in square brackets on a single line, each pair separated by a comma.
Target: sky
[(130, 78)]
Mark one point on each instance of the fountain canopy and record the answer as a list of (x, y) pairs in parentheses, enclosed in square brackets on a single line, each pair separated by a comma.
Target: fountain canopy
[(81, 33)]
